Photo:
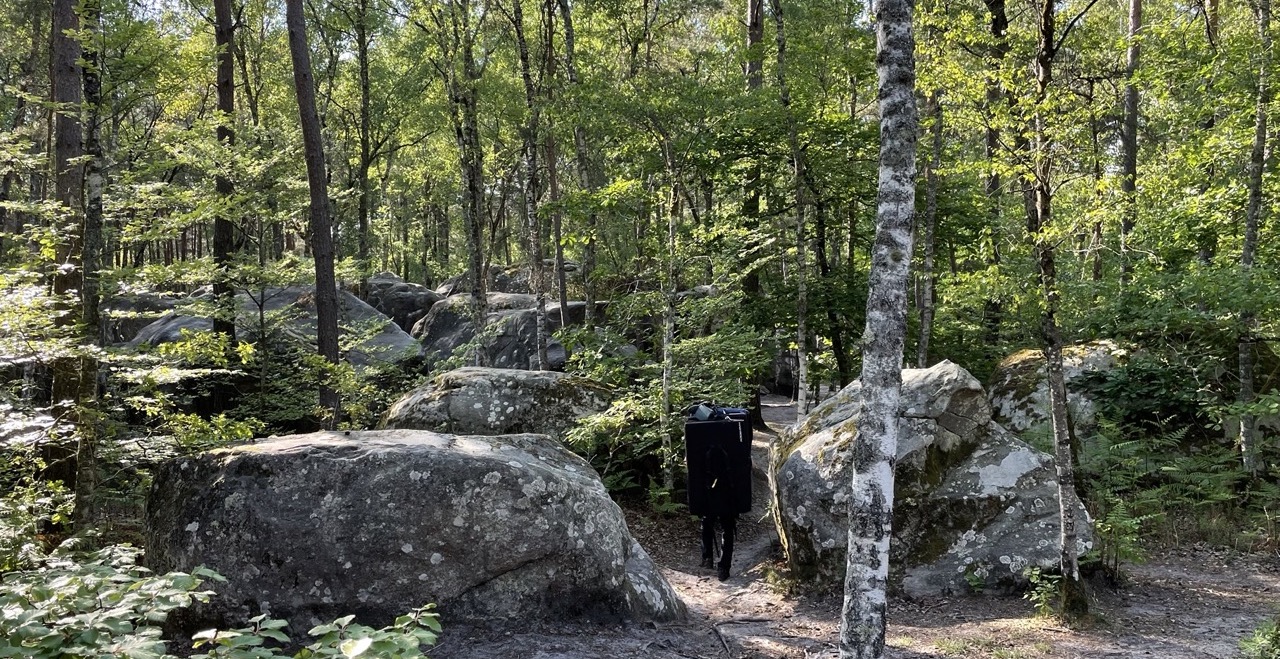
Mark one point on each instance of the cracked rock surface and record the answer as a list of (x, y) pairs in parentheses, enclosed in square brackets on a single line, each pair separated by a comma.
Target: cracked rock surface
[(511, 528), (974, 505)]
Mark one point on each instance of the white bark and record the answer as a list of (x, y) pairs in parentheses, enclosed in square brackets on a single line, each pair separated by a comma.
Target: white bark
[(862, 625)]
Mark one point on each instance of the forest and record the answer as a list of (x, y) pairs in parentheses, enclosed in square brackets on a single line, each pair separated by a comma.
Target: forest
[(239, 219)]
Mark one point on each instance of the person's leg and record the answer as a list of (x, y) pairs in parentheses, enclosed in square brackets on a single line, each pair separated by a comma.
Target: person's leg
[(708, 540), (730, 525)]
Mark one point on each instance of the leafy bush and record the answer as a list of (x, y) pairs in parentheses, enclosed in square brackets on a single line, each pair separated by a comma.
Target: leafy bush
[(1265, 642), (104, 604)]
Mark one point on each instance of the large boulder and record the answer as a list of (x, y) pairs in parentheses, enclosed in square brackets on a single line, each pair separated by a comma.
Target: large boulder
[(972, 503), (495, 401), (511, 325), (124, 315), (291, 311), (506, 279), (503, 529), (1019, 388), (404, 302)]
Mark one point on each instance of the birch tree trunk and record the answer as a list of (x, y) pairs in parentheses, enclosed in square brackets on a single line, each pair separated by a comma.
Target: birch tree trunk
[(1039, 204), (1259, 157), (862, 623), (993, 308), (321, 232)]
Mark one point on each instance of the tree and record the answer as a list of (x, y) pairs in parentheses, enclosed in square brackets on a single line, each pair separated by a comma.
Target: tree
[(321, 234), (1259, 155), (862, 623), (224, 318)]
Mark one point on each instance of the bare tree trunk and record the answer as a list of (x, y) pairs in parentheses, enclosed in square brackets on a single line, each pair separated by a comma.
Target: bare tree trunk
[(321, 231), (993, 308), (363, 40), (86, 420), (586, 176), (68, 179), (924, 302), (799, 183), (224, 318), (1129, 139), (669, 320), (862, 624), (1039, 218), (843, 368), (557, 229), (532, 189), (1259, 157)]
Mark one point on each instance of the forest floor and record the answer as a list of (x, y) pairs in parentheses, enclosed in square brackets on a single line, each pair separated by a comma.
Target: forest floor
[(1194, 602)]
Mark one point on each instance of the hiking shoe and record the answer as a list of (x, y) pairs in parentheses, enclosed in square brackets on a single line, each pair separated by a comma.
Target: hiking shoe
[(723, 573), (707, 563)]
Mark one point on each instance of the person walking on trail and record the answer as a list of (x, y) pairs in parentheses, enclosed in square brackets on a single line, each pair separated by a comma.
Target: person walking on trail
[(722, 511)]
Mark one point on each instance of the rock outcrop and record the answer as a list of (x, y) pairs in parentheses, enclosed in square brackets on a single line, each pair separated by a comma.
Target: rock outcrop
[(506, 279), (1019, 389), (973, 504), (511, 326), (501, 530), (495, 401), (291, 311), (403, 302), (126, 314)]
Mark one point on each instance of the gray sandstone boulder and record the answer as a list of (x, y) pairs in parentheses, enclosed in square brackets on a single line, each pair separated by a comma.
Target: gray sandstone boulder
[(503, 530), (972, 502), (125, 315), (403, 302), (507, 279), (495, 401), (1019, 390), (511, 324), (292, 311)]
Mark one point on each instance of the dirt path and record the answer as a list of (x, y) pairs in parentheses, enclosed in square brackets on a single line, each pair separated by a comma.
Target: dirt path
[(1193, 603)]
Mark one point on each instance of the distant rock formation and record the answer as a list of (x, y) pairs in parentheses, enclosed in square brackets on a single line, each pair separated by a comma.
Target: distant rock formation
[(405, 303), (511, 329), (500, 530), (973, 503), (1019, 389), (291, 310), (495, 401)]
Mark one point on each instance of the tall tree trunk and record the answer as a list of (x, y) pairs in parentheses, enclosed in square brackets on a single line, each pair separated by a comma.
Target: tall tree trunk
[(799, 183), (586, 173), (366, 156), (924, 302), (224, 318), (1039, 204), (68, 178), (671, 286), (1129, 139), (1259, 157), (993, 308), (843, 368), (753, 72), (87, 426), (532, 189), (862, 624), (321, 231), (557, 229)]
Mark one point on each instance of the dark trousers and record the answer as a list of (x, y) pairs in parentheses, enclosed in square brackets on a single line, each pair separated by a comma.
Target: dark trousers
[(728, 524)]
